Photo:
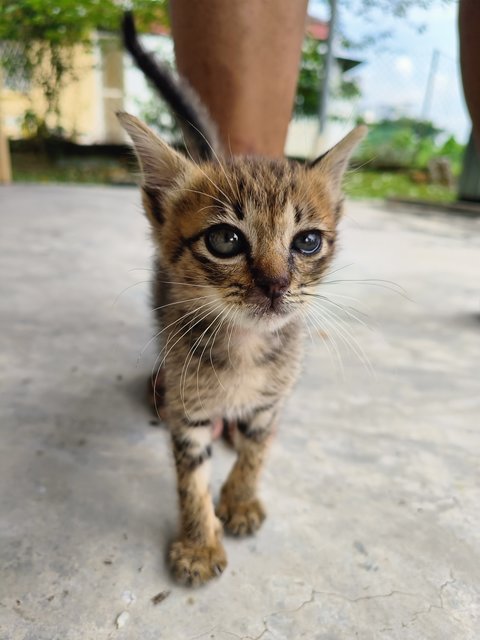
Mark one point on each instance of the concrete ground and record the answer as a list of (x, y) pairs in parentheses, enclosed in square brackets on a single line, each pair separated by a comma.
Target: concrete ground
[(372, 486)]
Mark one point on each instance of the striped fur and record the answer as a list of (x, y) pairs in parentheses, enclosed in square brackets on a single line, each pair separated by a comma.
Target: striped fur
[(230, 339)]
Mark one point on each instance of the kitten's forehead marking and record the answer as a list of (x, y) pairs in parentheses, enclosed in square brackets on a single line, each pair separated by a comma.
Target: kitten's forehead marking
[(274, 227)]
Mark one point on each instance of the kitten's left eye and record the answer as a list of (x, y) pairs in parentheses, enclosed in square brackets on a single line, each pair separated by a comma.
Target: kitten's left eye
[(307, 242), (225, 241)]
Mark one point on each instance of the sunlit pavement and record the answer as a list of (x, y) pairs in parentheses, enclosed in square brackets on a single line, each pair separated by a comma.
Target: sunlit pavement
[(372, 485)]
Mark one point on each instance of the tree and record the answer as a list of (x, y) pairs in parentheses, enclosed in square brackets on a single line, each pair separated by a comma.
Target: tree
[(313, 52), (311, 67), (45, 33), (395, 8), (402, 143)]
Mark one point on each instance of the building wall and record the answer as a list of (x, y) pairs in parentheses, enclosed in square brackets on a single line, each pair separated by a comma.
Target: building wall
[(111, 87), (87, 104), (78, 110)]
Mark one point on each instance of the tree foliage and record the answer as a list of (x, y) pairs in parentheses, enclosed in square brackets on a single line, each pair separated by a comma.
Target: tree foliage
[(375, 16), (402, 143), (396, 8), (45, 33), (313, 52), (310, 76)]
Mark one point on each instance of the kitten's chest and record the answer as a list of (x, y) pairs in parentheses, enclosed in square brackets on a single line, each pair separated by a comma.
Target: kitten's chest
[(260, 370)]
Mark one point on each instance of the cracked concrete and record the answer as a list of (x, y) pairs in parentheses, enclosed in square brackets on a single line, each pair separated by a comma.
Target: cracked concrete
[(372, 485)]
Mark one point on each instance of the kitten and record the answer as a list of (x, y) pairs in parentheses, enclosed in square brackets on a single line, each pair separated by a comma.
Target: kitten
[(241, 245)]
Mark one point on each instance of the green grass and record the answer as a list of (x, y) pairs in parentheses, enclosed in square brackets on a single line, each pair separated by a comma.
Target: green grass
[(389, 184), (100, 170), (28, 167)]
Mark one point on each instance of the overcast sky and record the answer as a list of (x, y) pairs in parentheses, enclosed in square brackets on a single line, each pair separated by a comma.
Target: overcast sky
[(395, 73)]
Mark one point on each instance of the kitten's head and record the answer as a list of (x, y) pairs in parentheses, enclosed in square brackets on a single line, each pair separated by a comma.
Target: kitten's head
[(255, 234)]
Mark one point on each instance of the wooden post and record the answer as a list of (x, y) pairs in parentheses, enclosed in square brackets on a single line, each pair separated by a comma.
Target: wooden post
[(5, 161)]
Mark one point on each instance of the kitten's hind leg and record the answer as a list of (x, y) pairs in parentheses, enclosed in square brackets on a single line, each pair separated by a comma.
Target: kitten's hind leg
[(198, 554), (239, 508)]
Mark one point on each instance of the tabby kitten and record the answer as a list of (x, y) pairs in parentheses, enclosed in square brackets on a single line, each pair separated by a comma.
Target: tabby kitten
[(241, 245)]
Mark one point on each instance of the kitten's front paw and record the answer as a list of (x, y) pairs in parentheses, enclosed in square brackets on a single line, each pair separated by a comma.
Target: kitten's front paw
[(241, 518), (193, 564)]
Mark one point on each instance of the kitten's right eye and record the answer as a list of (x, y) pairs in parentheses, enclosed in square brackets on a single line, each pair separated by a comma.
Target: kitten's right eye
[(225, 241)]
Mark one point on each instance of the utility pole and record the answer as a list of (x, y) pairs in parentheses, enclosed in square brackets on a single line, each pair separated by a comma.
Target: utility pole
[(427, 98), (325, 85)]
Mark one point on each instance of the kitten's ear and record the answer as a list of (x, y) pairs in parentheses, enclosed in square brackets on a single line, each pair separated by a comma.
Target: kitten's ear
[(334, 162), (161, 165)]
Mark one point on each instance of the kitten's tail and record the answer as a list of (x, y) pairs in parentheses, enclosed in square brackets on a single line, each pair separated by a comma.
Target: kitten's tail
[(185, 104)]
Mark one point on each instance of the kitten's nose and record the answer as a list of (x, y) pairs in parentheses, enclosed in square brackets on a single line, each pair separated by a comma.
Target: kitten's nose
[(273, 287)]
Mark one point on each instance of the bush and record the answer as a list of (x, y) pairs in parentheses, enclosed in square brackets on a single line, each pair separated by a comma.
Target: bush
[(406, 143)]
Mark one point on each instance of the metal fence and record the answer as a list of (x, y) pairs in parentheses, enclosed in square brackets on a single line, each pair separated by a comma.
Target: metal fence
[(15, 77), (426, 88)]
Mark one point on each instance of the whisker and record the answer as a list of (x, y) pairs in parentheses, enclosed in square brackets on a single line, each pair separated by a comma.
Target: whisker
[(321, 332), (197, 342), (339, 325), (346, 297), (209, 145), (375, 282), (305, 317), (156, 335), (333, 342), (213, 342), (195, 312), (357, 169), (189, 328), (186, 364), (127, 288), (189, 357), (169, 304), (331, 272), (232, 323), (176, 331), (334, 294), (192, 323), (210, 206), (218, 160), (216, 156), (190, 284), (350, 311), (214, 184), (185, 284), (202, 193), (200, 357)]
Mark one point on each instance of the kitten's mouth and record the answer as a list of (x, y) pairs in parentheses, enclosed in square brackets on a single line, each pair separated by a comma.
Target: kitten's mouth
[(276, 306), (268, 304), (272, 308), (257, 309)]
